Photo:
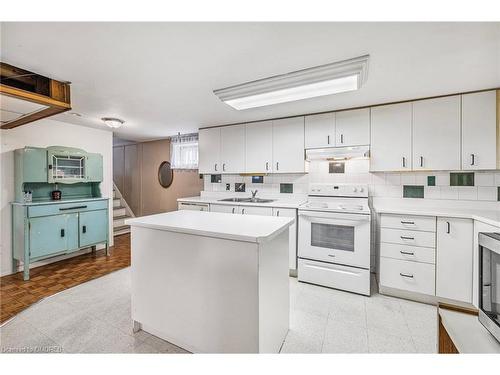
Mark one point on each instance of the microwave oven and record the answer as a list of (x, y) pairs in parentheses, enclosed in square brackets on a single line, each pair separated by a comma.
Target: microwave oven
[(489, 282)]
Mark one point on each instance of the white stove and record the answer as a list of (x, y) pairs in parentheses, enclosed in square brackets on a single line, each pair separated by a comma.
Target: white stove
[(334, 237)]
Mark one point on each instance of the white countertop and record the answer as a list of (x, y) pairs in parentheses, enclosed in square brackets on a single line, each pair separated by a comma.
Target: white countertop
[(487, 216), (467, 333), (76, 200), (281, 203), (247, 228)]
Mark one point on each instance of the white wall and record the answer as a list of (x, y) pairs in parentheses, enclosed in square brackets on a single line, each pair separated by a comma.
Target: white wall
[(44, 133)]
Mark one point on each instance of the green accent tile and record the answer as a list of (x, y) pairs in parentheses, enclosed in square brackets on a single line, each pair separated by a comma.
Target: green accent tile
[(413, 191), (431, 180), (286, 188), (462, 179)]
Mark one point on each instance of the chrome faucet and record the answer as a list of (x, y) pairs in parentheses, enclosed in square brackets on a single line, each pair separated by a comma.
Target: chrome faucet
[(254, 193)]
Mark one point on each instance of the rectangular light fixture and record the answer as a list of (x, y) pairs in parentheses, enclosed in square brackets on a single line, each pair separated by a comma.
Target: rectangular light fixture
[(341, 76)]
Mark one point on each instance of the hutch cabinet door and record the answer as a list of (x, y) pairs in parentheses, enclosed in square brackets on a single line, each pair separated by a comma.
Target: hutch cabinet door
[(34, 164), (94, 167), (49, 234), (93, 227)]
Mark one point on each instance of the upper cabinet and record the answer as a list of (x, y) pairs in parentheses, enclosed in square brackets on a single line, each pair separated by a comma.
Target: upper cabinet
[(259, 147), (391, 138), (232, 148), (320, 130), (94, 168), (288, 145), (209, 150), (436, 134), (352, 128), (479, 130)]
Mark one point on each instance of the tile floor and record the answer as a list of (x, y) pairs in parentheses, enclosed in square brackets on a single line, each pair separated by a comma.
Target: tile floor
[(94, 317)]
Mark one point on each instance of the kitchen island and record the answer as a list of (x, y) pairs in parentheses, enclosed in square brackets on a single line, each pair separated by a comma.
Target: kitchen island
[(211, 282)]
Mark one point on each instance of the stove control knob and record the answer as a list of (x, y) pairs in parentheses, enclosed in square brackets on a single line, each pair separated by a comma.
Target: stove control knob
[(361, 190), (355, 189)]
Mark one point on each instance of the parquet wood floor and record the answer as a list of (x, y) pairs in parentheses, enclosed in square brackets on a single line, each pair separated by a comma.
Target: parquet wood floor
[(17, 294)]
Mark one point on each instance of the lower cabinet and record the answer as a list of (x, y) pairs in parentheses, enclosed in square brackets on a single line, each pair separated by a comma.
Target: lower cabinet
[(266, 211), (435, 259), (454, 259), (50, 235), (42, 231)]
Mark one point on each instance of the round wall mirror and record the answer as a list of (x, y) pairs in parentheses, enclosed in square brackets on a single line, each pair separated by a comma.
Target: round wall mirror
[(165, 174)]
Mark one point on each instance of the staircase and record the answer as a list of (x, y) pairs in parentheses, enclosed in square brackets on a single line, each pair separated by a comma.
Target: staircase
[(121, 212)]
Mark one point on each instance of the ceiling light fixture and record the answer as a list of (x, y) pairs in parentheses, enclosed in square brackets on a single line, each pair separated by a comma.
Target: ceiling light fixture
[(113, 122), (341, 76)]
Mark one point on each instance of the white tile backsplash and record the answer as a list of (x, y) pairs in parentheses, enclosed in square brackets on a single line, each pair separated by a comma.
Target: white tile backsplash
[(379, 184)]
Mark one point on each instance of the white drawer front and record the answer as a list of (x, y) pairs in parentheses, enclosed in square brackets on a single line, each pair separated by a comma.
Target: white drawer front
[(408, 237), (423, 223), (407, 252), (406, 275), (355, 280)]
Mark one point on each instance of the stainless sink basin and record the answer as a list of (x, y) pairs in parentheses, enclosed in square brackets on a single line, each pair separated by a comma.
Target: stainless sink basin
[(247, 200)]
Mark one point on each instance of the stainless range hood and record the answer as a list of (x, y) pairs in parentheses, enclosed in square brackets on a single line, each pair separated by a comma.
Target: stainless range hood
[(338, 153)]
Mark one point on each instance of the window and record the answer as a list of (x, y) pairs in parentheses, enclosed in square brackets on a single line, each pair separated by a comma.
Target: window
[(184, 151)]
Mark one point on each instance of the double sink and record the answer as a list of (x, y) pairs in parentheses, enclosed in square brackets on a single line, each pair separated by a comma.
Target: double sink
[(247, 200)]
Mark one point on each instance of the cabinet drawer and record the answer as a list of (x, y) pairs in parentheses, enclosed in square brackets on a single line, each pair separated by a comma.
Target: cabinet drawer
[(422, 223), (406, 252), (407, 275), (408, 237), (62, 208)]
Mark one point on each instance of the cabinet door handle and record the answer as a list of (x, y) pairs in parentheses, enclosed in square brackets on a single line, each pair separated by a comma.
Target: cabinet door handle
[(215, 167), (233, 210), (406, 275), (421, 161), (72, 208), (472, 162), (277, 166), (243, 211), (267, 165), (84, 229), (342, 138), (406, 253), (407, 238), (62, 232), (328, 138), (448, 227), (278, 213), (408, 222), (404, 162)]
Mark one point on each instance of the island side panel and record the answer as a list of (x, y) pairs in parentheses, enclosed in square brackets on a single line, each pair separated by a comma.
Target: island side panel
[(274, 293), (197, 292)]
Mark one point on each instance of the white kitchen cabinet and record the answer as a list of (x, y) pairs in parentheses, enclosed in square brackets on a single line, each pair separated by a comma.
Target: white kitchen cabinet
[(259, 147), (390, 144), (209, 151), (224, 208), (232, 149), (454, 259), (288, 145), (352, 128), (320, 130), (479, 127), (290, 212), (254, 210), (436, 134)]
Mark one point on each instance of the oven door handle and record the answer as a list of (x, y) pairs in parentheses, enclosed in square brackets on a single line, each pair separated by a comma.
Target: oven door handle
[(334, 215)]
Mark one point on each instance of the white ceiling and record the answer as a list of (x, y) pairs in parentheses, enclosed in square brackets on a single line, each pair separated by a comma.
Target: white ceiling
[(159, 77)]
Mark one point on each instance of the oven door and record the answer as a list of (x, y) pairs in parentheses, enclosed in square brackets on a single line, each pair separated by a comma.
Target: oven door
[(335, 237)]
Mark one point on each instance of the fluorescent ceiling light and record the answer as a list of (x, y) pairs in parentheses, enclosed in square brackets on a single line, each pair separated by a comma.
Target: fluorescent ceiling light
[(342, 76)]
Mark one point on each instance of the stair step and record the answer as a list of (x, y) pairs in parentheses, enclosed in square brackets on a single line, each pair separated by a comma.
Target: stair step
[(121, 230), (119, 222), (117, 202), (119, 211)]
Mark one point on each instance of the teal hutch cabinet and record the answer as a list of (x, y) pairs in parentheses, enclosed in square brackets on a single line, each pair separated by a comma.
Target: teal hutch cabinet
[(45, 228)]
